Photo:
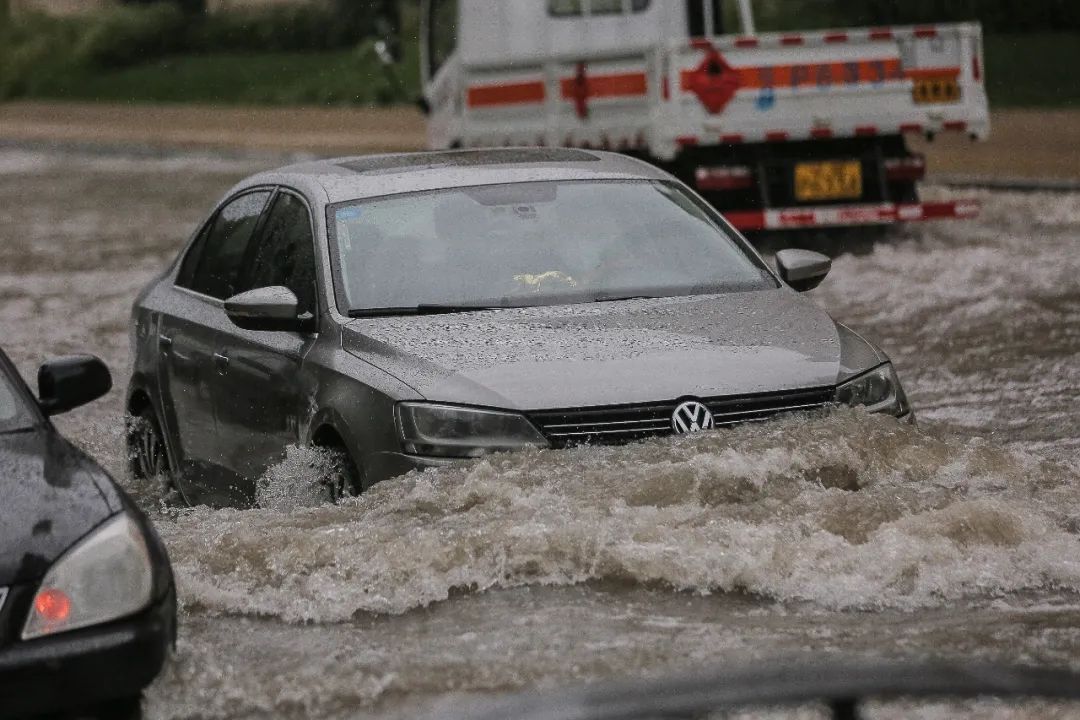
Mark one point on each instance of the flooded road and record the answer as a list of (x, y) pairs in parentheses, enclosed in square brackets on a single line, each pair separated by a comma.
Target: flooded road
[(851, 534)]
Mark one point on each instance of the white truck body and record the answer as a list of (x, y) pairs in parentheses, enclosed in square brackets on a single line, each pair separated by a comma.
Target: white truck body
[(640, 76)]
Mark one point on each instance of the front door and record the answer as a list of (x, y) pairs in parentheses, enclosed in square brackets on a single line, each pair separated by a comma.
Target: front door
[(261, 395), (189, 338)]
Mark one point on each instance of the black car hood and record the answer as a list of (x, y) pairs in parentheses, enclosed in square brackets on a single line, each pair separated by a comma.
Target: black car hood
[(615, 352), (52, 495)]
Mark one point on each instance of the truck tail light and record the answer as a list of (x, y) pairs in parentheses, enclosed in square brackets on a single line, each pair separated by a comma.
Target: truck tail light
[(735, 177), (909, 168)]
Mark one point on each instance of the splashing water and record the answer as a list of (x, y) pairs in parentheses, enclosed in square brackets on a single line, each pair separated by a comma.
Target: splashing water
[(851, 511), (298, 481)]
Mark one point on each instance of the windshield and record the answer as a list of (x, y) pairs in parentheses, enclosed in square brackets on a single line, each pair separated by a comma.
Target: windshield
[(13, 412), (534, 244)]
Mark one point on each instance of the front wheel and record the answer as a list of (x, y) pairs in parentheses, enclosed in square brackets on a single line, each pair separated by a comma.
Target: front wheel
[(342, 476)]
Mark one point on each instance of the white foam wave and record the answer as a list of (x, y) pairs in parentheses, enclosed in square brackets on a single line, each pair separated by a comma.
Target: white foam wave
[(847, 512)]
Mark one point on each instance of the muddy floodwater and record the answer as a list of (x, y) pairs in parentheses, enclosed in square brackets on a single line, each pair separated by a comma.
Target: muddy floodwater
[(848, 534)]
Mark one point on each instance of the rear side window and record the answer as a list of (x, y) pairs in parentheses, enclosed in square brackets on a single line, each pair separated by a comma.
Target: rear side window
[(215, 264), (284, 252)]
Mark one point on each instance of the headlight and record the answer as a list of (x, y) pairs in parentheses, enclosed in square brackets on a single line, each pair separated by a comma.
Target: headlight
[(449, 431), (107, 576), (878, 390)]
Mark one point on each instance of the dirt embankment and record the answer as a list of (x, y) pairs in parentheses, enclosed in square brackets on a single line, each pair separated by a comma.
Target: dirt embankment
[(316, 130), (1023, 144)]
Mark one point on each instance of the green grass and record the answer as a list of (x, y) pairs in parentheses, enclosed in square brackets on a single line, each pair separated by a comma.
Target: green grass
[(337, 77), (1037, 70), (156, 54)]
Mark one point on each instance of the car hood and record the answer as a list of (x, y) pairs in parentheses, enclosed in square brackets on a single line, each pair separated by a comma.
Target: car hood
[(53, 495), (615, 352)]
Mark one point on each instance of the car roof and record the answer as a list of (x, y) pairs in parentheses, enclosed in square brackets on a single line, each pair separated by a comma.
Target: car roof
[(355, 178)]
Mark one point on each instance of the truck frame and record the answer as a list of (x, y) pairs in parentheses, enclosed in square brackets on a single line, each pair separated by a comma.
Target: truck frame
[(777, 130)]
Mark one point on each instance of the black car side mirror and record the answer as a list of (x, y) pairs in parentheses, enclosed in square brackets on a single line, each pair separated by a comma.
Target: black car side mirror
[(802, 269), (69, 382), (268, 309)]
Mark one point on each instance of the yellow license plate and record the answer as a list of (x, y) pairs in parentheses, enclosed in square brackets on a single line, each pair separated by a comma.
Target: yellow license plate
[(832, 180), (936, 90)]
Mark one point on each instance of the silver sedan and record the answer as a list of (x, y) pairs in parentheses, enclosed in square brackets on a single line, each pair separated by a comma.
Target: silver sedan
[(406, 311)]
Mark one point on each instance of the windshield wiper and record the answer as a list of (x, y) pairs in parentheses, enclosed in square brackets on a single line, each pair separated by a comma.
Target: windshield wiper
[(620, 298), (428, 309)]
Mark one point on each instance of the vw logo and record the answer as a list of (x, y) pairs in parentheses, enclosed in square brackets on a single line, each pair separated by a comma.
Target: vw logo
[(691, 417)]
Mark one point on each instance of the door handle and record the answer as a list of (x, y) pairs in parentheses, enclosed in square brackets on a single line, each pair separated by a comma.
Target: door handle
[(165, 343), (221, 361)]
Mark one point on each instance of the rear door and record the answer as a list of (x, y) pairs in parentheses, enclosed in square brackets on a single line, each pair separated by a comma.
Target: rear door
[(261, 394), (189, 337)]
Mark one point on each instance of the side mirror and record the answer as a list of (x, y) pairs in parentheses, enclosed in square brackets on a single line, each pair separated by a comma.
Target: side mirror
[(268, 309), (69, 382), (802, 269)]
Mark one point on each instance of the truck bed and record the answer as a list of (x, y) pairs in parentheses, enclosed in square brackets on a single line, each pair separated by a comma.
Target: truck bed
[(728, 90)]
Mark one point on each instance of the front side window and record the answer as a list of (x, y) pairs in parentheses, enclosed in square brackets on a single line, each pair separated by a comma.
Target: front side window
[(539, 243), (13, 411), (571, 8), (215, 264), (284, 254)]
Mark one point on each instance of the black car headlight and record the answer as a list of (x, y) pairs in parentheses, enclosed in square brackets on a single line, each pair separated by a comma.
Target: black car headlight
[(106, 576), (460, 432), (879, 391)]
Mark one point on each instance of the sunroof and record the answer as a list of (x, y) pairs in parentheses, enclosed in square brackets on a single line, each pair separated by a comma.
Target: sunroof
[(467, 158)]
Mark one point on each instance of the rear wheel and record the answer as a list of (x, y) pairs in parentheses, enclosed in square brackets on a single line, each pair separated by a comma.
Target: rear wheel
[(147, 453)]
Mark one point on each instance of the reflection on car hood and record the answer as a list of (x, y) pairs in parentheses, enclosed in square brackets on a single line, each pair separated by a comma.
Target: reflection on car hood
[(52, 496), (610, 353)]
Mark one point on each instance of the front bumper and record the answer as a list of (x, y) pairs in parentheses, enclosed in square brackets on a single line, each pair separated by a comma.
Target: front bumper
[(83, 668), (385, 465)]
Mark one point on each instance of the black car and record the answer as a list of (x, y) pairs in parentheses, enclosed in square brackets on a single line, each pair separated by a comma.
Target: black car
[(87, 601)]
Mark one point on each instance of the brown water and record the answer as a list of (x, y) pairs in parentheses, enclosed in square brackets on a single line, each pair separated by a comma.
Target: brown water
[(850, 534)]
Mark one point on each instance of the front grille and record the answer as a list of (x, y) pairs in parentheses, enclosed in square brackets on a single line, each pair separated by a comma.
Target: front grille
[(618, 424)]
